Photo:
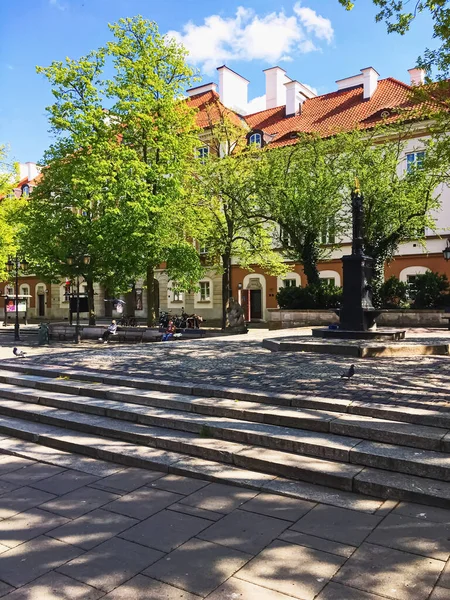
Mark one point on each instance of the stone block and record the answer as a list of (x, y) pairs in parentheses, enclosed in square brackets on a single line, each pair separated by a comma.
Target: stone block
[(80, 501), (110, 564), (28, 561), (219, 498), (281, 507), (143, 503), (338, 524), (178, 484), (410, 534), (166, 530), (198, 566), (420, 511), (247, 532), (144, 588), (243, 590), (317, 543), (127, 480), (296, 571), (54, 586), (21, 499), (27, 525), (65, 482), (336, 591), (390, 573), (92, 529), (28, 475)]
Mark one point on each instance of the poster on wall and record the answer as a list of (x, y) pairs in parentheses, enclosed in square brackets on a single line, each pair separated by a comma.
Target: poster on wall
[(11, 306), (139, 301)]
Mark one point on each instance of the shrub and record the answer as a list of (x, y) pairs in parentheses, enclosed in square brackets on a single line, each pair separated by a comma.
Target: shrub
[(393, 293), (309, 297), (429, 290)]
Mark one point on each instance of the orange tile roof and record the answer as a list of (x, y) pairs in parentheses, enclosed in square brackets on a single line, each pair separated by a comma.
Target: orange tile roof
[(210, 110), (337, 111), (342, 110)]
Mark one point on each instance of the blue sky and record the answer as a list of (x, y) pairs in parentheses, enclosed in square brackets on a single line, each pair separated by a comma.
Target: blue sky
[(316, 41)]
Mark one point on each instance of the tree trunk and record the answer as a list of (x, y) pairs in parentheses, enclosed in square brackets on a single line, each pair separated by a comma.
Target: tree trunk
[(310, 258), (91, 306), (151, 300), (226, 286)]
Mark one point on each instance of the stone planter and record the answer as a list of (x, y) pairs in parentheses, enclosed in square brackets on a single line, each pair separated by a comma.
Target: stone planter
[(286, 318)]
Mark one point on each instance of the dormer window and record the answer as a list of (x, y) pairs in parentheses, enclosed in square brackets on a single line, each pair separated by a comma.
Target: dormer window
[(203, 153), (255, 139), (25, 190)]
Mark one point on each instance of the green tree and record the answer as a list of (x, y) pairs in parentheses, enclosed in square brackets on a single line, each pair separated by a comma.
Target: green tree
[(400, 199), (301, 190), (114, 176), (9, 205), (227, 197), (399, 16)]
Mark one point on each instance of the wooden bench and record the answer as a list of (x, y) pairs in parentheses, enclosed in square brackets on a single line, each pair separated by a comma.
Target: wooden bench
[(61, 332)]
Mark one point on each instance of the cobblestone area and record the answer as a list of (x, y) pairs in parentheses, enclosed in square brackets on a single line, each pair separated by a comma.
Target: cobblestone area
[(132, 534), (241, 361)]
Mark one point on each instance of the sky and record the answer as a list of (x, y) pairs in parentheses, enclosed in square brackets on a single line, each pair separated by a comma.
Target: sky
[(315, 41)]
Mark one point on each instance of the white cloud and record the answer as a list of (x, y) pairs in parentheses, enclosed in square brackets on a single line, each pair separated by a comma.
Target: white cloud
[(272, 38), (256, 105), (57, 4), (314, 23), (10, 67)]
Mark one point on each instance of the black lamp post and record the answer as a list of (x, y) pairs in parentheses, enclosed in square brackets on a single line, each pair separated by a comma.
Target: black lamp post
[(16, 263), (446, 251), (76, 265)]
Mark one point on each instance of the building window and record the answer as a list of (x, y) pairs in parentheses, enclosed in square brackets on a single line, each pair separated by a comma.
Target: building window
[(329, 281), (203, 250), (205, 291), (25, 190), (289, 283), (203, 153), (285, 238), (410, 279), (414, 160), (255, 139), (328, 235)]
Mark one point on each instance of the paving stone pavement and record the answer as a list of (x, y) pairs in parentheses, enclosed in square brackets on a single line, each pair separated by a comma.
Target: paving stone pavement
[(241, 361), (143, 535)]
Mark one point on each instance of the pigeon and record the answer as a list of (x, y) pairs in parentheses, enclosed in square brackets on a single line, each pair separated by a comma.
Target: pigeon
[(348, 374), (19, 353)]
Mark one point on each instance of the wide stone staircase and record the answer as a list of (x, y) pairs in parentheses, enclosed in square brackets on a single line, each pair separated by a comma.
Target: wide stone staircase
[(295, 444)]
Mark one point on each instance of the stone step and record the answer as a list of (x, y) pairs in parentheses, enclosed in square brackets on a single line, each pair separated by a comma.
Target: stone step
[(198, 436), (398, 431), (296, 466), (368, 481), (78, 380)]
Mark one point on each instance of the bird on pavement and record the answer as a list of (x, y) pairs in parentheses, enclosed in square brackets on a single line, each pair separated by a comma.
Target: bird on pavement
[(19, 353), (348, 374)]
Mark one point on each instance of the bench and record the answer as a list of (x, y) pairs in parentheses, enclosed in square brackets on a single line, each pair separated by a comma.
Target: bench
[(61, 332)]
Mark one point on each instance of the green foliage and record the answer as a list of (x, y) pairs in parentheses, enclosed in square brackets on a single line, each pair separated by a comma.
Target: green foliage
[(300, 189), (115, 178), (399, 16), (393, 293), (398, 204), (9, 207), (309, 297), (183, 267), (227, 197), (430, 290)]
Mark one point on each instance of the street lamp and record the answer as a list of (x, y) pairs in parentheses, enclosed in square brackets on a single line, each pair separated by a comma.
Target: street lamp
[(76, 264), (17, 264), (446, 251)]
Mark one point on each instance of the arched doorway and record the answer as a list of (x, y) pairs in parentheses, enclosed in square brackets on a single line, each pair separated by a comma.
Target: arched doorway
[(255, 296), (40, 300)]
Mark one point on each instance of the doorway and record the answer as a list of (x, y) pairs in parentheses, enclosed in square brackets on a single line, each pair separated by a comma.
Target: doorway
[(41, 305), (255, 304)]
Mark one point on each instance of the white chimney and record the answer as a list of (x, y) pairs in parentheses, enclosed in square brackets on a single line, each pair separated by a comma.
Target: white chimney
[(276, 79), (201, 89), (233, 89), (32, 170), (294, 98), (370, 82), (417, 76)]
